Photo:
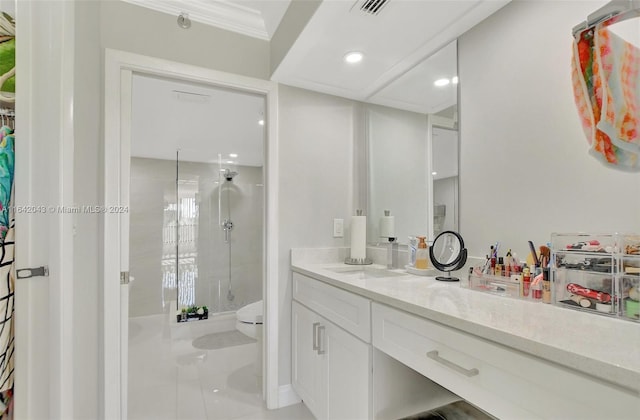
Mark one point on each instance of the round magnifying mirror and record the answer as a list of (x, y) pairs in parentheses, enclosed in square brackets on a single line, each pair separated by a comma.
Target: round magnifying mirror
[(447, 254)]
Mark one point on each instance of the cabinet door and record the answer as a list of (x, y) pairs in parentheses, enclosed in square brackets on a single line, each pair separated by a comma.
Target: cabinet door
[(347, 371), (307, 364)]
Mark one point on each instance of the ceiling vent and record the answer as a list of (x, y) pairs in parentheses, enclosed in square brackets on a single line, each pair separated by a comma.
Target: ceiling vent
[(373, 7)]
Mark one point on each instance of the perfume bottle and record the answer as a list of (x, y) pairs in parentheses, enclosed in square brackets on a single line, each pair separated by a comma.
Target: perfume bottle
[(422, 254)]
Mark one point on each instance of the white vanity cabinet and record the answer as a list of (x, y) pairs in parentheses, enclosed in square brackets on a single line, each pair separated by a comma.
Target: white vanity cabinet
[(355, 356), (504, 382), (331, 368)]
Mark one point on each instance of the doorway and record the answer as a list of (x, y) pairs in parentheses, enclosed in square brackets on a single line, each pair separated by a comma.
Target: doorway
[(195, 249), (121, 69)]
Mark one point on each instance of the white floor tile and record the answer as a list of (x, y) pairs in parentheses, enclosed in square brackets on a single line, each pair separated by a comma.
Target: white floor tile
[(170, 379), (190, 404), (292, 412), (153, 402)]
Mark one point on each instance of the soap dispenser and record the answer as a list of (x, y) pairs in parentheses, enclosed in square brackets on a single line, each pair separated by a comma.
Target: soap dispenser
[(422, 254)]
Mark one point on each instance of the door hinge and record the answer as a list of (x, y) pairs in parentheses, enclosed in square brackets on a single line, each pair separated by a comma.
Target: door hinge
[(26, 273), (124, 277)]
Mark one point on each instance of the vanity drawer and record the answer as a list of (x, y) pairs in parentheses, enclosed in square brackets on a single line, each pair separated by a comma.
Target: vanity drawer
[(345, 309), (505, 382)]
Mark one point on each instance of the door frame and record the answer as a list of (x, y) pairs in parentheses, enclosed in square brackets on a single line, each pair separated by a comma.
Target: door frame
[(118, 67)]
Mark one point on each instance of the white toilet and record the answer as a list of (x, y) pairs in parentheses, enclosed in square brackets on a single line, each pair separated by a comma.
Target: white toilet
[(249, 323)]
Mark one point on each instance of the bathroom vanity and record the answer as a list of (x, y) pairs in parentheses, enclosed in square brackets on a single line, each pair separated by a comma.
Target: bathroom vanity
[(360, 334)]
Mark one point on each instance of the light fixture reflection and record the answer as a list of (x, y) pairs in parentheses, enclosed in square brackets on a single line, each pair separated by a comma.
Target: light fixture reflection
[(353, 57), (442, 82), (454, 80)]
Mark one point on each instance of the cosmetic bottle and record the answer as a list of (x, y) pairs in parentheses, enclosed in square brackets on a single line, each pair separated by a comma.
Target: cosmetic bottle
[(526, 282), (507, 264), (413, 248), (422, 254), (536, 290), (546, 285)]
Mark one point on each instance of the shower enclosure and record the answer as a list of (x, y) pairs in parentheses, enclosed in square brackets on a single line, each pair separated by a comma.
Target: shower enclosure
[(196, 235)]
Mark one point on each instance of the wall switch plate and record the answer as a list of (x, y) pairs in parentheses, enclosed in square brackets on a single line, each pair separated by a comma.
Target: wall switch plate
[(338, 228)]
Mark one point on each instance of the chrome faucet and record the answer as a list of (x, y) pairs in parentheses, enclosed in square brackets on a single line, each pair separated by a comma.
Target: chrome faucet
[(227, 225)]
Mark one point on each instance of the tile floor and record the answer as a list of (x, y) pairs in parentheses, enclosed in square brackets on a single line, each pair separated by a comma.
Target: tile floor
[(170, 379)]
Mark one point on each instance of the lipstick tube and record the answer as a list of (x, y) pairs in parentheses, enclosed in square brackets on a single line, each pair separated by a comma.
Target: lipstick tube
[(576, 289)]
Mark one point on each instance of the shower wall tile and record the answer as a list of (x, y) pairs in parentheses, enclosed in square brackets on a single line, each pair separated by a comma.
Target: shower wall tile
[(241, 200)]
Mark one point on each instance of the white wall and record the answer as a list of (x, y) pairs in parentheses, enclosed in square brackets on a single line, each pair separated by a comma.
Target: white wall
[(316, 143), (87, 244), (525, 171), (143, 31)]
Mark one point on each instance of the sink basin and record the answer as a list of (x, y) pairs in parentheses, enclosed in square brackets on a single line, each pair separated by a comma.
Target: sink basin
[(364, 272)]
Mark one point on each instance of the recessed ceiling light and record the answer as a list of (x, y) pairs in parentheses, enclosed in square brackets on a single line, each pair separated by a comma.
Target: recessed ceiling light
[(230, 161), (442, 82), (454, 80), (353, 57), (261, 122), (233, 155), (434, 173)]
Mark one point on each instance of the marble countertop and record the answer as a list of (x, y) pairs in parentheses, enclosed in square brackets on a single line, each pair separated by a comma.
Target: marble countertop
[(600, 346)]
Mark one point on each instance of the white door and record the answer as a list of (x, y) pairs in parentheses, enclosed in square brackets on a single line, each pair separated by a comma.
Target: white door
[(347, 395), (307, 365), (123, 213)]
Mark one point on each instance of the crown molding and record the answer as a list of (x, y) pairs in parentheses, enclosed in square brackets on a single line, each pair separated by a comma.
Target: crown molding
[(222, 14)]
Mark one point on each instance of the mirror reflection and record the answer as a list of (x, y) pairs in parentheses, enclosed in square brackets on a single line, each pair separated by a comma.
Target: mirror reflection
[(448, 254), (412, 150), (444, 150)]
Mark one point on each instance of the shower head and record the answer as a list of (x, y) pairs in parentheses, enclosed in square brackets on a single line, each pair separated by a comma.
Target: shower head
[(229, 174)]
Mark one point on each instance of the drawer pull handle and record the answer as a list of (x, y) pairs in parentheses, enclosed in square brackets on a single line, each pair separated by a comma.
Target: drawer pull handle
[(315, 336), (466, 372), (321, 350)]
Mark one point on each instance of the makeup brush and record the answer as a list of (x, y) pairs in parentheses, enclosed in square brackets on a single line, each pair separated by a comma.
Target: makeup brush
[(533, 254), (545, 255)]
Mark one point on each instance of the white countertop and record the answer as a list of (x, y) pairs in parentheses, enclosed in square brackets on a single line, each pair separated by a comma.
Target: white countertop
[(603, 347)]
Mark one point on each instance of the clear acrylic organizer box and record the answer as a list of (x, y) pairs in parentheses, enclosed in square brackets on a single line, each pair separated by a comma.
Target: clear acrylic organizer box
[(593, 273)]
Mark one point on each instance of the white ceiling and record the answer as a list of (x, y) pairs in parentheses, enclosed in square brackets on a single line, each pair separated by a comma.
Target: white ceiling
[(202, 122), (407, 46), (396, 40), (415, 90)]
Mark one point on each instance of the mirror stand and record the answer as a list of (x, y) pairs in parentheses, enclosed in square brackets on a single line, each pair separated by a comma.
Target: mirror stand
[(447, 254)]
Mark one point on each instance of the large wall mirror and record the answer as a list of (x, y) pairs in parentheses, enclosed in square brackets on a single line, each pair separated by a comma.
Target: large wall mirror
[(412, 150)]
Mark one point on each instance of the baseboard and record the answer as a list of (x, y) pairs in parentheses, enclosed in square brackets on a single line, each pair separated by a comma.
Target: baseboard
[(287, 396)]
